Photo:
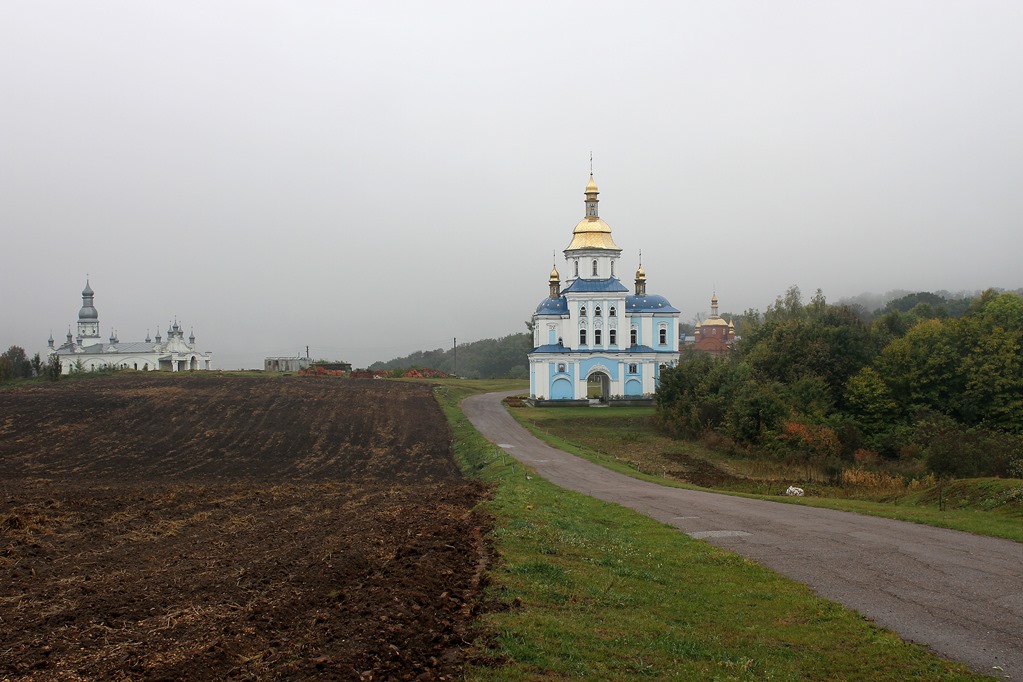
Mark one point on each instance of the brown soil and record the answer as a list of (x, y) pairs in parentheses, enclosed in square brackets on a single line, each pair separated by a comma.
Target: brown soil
[(207, 528)]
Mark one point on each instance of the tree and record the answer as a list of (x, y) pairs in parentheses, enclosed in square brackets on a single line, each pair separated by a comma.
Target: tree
[(910, 301), (923, 368), (681, 392), (53, 368), (993, 374), (787, 307), (869, 399), (829, 342), (18, 366), (757, 411)]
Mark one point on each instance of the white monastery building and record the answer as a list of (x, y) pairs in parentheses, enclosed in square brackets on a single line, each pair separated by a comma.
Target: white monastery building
[(594, 332), (88, 353)]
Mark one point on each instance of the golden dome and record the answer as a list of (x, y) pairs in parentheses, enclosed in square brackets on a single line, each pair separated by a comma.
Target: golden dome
[(715, 322), (640, 274), (591, 186), (592, 233), (555, 277)]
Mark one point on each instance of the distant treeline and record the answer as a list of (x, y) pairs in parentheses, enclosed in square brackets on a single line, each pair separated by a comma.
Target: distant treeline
[(926, 380), (503, 358), (869, 306)]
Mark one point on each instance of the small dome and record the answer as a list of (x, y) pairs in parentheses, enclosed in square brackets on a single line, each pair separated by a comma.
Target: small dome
[(555, 277), (591, 186), (87, 312), (640, 274), (553, 306)]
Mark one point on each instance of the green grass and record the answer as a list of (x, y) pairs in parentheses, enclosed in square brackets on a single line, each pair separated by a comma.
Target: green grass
[(595, 591), (627, 441)]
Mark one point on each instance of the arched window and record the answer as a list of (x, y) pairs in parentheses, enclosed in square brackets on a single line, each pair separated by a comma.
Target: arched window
[(576, 268), (612, 268), (582, 337), (632, 336), (596, 336), (594, 267), (612, 337), (582, 311), (662, 335), (612, 312), (596, 311)]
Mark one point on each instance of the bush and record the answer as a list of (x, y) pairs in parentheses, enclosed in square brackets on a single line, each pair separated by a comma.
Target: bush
[(954, 450)]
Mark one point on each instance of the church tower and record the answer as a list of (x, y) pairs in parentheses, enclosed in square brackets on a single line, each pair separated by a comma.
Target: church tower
[(88, 319), (592, 254)]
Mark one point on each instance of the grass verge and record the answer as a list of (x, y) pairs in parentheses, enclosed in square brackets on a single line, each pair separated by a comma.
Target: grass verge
[(624, 440), (595, 591)]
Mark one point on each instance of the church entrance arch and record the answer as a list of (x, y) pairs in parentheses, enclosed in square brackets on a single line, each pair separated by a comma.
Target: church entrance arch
[(598, 386)]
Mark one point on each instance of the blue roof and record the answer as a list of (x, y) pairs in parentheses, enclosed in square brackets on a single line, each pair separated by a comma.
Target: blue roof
[(612, 284), (553, 306), (551, 348), (648, 303)]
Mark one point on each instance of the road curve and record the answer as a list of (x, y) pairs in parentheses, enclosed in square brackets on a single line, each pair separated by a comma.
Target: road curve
[(959, 594)]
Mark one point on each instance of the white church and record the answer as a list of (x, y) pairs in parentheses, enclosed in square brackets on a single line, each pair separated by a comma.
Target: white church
[(87, 352), (594, 333)]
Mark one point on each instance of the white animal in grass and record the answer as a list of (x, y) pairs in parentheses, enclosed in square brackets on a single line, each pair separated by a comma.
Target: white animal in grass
[(793, 491)]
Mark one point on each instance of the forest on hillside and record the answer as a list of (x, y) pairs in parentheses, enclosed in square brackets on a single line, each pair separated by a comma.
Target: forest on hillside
[(503, 358), (925, 383)]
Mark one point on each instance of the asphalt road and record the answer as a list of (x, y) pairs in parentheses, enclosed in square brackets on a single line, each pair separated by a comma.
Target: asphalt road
[(959, 594)]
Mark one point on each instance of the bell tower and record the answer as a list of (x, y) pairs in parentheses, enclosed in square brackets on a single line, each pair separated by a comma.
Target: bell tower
[(88, 319)]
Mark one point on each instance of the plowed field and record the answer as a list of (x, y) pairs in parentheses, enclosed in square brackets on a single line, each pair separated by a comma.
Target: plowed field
[(207, 528)]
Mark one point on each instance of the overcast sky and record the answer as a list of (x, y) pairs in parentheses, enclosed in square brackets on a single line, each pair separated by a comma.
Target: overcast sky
[(375, 178)]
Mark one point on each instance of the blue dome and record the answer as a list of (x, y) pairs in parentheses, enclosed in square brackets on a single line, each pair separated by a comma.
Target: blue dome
[(553, 306), (648, 303)]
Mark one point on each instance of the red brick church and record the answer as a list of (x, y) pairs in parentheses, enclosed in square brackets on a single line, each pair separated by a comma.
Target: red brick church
[(715, 334)]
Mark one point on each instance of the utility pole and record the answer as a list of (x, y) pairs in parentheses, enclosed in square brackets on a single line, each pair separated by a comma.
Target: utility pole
[(307, 352), (454, 353)]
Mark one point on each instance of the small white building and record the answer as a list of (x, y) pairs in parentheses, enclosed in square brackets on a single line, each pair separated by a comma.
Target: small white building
[(286, 364), (88, 353), (594, 332)]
